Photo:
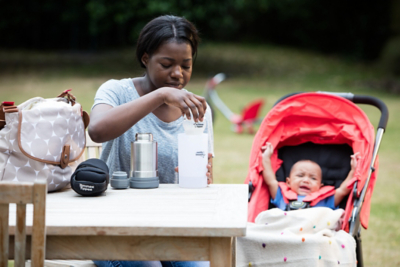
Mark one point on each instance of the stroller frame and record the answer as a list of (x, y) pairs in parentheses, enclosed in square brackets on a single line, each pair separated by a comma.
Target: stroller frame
[(358, 196)]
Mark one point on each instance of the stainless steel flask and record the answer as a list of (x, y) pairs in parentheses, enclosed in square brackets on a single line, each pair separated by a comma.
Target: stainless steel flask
[(144, 172)]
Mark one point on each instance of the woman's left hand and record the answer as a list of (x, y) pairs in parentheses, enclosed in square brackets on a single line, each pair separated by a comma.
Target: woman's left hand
[(209, 169)]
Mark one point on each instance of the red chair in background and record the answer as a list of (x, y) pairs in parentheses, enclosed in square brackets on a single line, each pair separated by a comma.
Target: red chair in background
[(241, 122)]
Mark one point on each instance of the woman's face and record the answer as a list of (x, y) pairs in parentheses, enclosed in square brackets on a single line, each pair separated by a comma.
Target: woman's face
[(169, 66)]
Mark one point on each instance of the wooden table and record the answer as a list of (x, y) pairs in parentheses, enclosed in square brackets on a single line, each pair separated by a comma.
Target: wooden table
[(167, 223)]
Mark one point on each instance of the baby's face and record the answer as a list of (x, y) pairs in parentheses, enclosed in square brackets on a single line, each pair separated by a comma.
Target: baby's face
[(305, 177)]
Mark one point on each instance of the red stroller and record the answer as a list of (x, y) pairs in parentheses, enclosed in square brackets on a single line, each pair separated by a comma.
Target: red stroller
[(326, 128)]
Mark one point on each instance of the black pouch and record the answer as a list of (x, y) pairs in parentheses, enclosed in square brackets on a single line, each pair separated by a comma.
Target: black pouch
[(90, 178)]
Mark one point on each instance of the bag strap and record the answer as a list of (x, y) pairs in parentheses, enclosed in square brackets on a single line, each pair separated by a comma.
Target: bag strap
[(86, 119), (64, 159), (71, 98), (6, 107)]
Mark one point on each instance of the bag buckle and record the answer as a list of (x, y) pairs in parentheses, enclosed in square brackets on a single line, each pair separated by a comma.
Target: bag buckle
[(65, 156)]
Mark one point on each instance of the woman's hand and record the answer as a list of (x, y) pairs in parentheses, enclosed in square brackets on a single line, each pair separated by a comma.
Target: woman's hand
[(209, 169), (187, 102)]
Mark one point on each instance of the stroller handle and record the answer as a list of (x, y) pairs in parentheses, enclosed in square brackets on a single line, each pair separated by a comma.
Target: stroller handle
[(373, 101), (368, 100), (357, 99)]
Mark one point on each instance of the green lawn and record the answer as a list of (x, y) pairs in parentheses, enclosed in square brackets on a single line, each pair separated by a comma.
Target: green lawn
[(255, 72)]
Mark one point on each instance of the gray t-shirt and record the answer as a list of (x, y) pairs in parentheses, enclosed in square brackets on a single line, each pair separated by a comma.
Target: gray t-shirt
[(116, 153)]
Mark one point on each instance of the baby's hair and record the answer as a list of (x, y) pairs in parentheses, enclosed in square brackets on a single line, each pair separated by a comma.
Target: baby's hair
[(305, 160), (163, 29)]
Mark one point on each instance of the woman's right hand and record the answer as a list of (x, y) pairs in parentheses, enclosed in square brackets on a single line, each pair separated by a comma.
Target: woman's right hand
[(187, 102), (107, 122)]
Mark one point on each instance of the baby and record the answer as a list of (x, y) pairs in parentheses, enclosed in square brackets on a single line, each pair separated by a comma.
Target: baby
[(305, 178)]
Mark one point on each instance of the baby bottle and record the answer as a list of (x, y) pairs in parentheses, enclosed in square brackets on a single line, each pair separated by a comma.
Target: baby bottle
[(193, 155)]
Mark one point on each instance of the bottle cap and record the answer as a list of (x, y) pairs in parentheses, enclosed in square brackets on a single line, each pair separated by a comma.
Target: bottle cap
[(119, 180), (144, 137)]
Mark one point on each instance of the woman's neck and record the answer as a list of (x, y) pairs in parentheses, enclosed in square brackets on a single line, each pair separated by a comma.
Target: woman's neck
[(143, 85)]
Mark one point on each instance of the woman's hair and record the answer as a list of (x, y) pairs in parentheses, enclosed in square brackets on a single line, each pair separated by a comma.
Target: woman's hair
[(166, 29)]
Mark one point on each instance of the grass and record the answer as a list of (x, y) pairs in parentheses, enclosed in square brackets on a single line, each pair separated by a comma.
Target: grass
[(254, 72)]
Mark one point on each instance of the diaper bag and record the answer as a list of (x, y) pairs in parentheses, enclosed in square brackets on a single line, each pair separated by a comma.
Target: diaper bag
[(42, 139)]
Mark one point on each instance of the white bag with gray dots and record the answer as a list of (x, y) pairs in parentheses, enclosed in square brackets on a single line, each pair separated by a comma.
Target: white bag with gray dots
[(42, 139)]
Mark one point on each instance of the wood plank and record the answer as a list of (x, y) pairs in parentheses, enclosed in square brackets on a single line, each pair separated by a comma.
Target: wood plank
[(93, 149), (92, 152), (233, 254), (221, 252), (38, 247), (20, 236), (4, 235), (125, 248), (218, 210), (167, 223), (89, 141), (69, 263), (15, 192)]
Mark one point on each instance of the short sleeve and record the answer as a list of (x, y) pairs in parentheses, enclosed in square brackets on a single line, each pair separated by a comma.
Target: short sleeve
[(278, 201), (328, 202), (109, 93)]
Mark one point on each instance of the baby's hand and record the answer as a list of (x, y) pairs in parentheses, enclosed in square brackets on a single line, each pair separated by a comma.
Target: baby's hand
[(354, 160), (267, 150)]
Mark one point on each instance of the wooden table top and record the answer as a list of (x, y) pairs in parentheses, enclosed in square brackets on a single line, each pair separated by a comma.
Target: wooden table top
[(219, 210)]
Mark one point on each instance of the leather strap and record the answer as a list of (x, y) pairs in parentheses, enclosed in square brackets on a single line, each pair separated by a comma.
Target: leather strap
[(86, 119), (2, 117), (3, 113), (65, 156), (65, 150), (10, 109)]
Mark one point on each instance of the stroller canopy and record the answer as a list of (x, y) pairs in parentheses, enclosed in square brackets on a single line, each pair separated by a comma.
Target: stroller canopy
[(321, 119)]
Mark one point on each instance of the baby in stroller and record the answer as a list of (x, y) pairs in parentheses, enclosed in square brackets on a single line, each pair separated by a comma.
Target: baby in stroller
[(305, 178), (327, 129)]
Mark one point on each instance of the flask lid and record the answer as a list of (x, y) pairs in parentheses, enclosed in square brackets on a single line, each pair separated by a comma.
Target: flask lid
[(144, 137)]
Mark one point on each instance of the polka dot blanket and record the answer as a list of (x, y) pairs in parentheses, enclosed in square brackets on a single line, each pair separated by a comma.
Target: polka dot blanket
[(307, 237)]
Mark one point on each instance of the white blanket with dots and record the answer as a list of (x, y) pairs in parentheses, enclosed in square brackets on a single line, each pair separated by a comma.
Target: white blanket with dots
[(307, 237)]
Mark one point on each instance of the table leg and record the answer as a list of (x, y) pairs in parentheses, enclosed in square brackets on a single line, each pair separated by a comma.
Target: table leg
[(233, 251), (221, 252)]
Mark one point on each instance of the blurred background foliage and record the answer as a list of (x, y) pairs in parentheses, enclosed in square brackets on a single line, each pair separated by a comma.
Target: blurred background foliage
[(354, 29), (268, 48)]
